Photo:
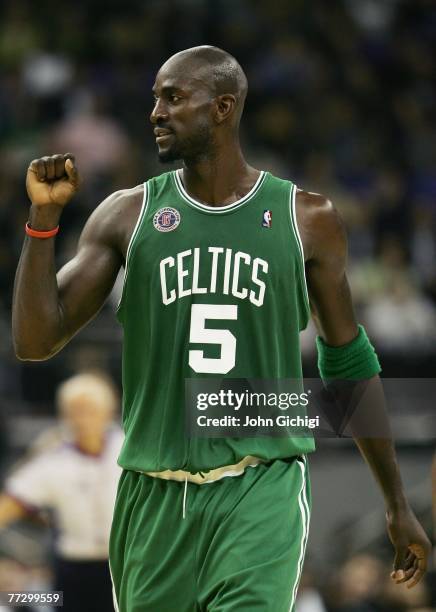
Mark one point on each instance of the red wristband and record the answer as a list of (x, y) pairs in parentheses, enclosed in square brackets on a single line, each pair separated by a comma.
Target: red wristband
[(41, 234)]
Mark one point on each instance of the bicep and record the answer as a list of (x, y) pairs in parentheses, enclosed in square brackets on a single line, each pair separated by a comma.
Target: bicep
[(85, 282), (329, 291)]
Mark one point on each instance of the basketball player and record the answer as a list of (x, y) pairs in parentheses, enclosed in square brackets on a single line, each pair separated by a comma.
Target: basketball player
[(212, 285)]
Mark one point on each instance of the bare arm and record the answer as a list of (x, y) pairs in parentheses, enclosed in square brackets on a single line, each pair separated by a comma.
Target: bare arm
[(10, 510), (49, 308), (325, 246)]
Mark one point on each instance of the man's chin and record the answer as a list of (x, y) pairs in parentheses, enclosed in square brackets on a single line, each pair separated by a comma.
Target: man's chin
[(168, 156)]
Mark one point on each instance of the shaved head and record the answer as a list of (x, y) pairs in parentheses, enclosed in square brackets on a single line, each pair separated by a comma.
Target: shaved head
[(221, 70), (199, 98)]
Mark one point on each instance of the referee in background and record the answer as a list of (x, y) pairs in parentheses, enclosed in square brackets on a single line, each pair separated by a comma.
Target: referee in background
[(76, 479)]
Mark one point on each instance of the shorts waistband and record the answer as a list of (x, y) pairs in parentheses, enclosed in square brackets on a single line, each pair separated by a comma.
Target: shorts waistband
[(210, 476)]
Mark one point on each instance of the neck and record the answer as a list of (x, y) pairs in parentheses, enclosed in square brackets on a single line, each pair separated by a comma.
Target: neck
[(92, 444), (224, 179)]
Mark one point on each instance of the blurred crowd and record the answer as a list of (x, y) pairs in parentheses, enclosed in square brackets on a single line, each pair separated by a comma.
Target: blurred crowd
[(361, 584)]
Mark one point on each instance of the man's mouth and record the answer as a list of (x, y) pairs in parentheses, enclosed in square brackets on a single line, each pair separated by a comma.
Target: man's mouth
[(162, 134)]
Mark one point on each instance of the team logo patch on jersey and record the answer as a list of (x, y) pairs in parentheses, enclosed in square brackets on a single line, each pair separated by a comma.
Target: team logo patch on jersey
[(166, 219), (267, 218)]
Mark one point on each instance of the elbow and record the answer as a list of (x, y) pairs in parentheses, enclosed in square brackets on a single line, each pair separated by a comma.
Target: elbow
[(32, 353), (31, 345), (31, 356)]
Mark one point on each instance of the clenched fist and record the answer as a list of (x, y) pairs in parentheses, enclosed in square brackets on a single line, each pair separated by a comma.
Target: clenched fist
[(52, 180)]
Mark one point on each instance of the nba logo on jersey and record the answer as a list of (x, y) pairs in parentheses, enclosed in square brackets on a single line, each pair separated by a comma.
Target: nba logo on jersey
[(267, 218), (166, 219)]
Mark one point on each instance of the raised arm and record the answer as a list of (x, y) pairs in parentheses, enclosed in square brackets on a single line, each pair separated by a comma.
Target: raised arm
[(325, 246), (49, 308)]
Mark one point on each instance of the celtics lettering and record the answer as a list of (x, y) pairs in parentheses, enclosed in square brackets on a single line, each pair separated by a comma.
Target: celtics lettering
[(222, 271)]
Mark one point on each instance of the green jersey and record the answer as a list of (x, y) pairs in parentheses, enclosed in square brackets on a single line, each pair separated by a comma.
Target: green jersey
[(208, 291)]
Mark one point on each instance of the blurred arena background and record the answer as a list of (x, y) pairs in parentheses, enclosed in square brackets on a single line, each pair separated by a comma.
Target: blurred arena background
[(342, 99)]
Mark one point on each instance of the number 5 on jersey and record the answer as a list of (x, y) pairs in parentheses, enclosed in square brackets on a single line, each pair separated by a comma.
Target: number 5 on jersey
[(199, 334)]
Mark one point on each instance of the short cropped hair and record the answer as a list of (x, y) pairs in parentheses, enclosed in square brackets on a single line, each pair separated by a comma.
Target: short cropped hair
[(94, 383)]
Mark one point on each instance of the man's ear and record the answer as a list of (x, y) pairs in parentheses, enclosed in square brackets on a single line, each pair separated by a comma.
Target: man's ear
[(225, 106)]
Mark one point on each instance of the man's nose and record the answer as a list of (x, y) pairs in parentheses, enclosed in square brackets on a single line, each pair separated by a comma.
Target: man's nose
[(159, 112)]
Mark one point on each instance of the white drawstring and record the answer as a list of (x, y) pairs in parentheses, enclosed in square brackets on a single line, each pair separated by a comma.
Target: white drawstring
[(184, 496)]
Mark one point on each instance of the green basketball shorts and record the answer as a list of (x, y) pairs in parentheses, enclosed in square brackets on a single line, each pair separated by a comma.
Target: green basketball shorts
[(240, 547)]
